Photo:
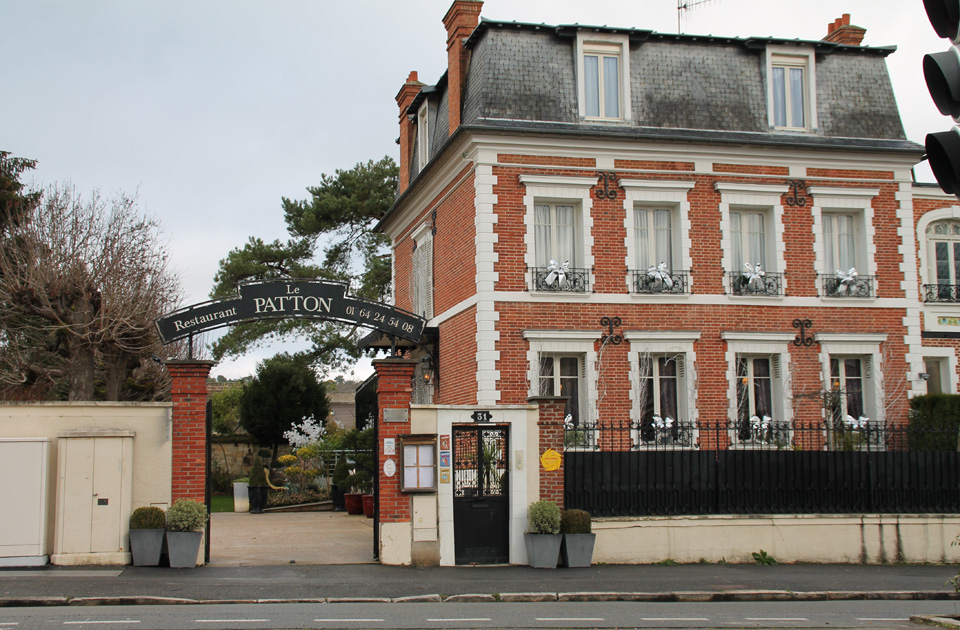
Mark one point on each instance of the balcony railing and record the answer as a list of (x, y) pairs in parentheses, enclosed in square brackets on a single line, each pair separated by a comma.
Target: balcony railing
[(671, 282), (745, 283), (566, 280), (857, 286), (941, 293)]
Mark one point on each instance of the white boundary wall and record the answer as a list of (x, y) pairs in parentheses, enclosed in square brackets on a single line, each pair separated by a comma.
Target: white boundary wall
[(151, 424)]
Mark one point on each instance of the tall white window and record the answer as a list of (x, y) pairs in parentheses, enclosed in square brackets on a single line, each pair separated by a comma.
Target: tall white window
[(944, 239), (757, 417), (601, 81), (847, 378), (789, 92), (556, 234), (423, 135), (840, 236), (654, 237), (562, 375), (748, 238), (422, 277)]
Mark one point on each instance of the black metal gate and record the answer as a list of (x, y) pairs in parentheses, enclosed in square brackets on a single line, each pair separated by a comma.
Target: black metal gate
[(481, 502)]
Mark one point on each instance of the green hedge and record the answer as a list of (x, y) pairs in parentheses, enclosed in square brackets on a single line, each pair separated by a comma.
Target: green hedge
[(934, 422)]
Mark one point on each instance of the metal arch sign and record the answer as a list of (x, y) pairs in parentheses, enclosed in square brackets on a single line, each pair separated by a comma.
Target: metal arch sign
[(281, 299)]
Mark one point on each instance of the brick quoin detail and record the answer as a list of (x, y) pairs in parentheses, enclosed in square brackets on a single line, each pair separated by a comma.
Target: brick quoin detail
[(394, 391), (189, 394), (550, 426)]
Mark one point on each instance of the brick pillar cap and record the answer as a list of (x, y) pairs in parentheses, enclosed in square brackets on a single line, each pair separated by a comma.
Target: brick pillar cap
[(547, 399), (393, 361), (190, 362)]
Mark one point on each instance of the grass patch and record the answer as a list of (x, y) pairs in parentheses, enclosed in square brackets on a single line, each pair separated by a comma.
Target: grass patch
[(221, 503)]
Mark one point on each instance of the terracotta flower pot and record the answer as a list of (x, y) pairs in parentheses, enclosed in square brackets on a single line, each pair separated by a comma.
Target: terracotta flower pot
[(368, 506), (353, 501)]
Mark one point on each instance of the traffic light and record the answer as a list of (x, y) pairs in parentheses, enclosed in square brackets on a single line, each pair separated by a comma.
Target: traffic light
[(942, 73)]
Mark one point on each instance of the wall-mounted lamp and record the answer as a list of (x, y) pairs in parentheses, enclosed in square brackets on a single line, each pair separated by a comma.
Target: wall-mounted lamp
[(924, 376), (426, 368)]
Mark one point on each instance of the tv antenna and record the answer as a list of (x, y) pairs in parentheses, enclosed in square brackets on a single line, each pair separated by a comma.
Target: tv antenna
[(686, 5)]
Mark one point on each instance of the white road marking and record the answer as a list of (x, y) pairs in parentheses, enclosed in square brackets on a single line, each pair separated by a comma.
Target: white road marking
[(353, 620), (231, 620), (674, 619), (462, 619), (776, 619), (570, 619), (78, 623)]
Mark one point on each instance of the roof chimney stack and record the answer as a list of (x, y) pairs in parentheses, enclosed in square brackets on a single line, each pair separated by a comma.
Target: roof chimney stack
[(460, 20), (405, 96), (840, 31)]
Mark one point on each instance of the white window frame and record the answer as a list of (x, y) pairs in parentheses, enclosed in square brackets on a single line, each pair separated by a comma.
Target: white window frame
[(679, 343), (865, 346), (753, 197), (566, 342), (423, 134), (609, 45), (421, 284), (948, 368), (787, 57), (663, 194), (562, 190), (858, 202), (756, 344)]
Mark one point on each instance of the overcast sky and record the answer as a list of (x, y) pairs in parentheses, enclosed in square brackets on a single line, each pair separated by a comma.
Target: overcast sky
[(214, 110)]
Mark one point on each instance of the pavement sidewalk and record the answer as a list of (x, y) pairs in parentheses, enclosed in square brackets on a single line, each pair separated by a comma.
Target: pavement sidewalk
[(359, 582)]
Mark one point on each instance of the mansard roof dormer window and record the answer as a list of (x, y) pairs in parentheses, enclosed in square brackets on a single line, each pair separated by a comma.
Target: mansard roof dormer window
[(791, 88), (603, 76)]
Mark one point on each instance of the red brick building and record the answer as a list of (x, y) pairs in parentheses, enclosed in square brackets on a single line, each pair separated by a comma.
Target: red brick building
[(671, 231)]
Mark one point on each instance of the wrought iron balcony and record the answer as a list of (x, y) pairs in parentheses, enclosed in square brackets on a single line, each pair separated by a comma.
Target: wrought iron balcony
[(663, 433), (941, 293), (761, 432), (655, 281), (856, 286), (744, 283), (565, 280)]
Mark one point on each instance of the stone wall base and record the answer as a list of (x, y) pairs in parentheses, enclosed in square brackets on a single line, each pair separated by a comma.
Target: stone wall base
[(867, 538)]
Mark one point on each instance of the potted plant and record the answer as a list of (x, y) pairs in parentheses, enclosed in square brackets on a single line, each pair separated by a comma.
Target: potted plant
[(576, 548), (147, 526), (543, 537), (185, 520), (257, 488), (338, 484), (241, 496)]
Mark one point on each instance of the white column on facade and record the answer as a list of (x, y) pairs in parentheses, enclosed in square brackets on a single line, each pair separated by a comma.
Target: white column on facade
[(486, 257)]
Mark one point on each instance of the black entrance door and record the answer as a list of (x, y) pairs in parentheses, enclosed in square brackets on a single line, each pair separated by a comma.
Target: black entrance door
[(481, 502)]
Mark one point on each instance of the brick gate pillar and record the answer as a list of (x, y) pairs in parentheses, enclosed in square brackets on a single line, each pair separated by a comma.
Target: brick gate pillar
[(189, 394), (394, 392), (550, 429)]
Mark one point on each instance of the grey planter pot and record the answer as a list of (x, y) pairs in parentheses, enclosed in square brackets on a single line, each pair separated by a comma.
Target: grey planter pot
[(146, 545), (543, 550), (182, 548), (241, 498), (576, 550)]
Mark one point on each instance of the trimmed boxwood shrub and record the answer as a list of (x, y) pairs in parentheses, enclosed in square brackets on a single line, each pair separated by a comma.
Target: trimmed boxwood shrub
[(149, 517), (186, 515), (575, 522), (934, 422)]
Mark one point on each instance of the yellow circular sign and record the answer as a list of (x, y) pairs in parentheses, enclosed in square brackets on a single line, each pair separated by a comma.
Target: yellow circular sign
[(550, 460)]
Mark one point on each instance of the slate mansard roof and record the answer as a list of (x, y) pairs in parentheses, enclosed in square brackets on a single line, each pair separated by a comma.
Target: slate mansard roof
[(522, 78)]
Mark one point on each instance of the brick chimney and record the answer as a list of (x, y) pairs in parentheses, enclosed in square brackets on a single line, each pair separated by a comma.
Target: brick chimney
[(460, 20), (405, 96), (840, 31)]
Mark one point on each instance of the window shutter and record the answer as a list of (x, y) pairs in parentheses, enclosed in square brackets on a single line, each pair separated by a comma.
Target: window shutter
[(775, 366), (427, 275)]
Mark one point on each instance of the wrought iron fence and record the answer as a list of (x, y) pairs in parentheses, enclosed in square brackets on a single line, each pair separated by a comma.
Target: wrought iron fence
[(745, 283), (748, 468), (848, 286), (941, 293), (657, 281), (561, 279)]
